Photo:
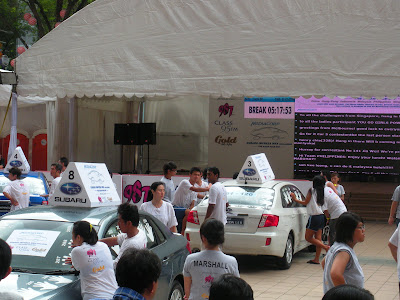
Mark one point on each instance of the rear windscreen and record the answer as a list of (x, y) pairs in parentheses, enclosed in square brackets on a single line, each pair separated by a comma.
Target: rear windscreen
[(250, 196)]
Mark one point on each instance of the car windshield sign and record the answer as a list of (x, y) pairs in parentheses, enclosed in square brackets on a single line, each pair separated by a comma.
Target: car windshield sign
[(250, 196), (40, 246)]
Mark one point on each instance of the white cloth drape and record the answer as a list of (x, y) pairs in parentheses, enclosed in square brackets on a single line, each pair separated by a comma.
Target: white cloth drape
[(51, 123), (13, 132)]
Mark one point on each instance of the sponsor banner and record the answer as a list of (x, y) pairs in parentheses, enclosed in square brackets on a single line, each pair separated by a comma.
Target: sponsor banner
[(18, 160), (269, 108), (85, 185), (136, 188), (256, 169)]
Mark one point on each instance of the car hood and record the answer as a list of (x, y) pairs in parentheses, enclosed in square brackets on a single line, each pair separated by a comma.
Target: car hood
[(36, 286)]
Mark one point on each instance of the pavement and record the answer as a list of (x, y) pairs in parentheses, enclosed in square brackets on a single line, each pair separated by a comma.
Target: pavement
[(304, 281)]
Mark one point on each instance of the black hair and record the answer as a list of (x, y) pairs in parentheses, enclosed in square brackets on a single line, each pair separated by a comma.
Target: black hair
[(348, 292), (138, 269), (154, 187), (5, 258), (230, 287), (213, 231), (319, 186), (326, 173), (169, 166), (194, 169), (335, 174), (214, 170), (129, 212), (64, 161), (86, 231), (15, 171), (345, 227), (58, 167), (205, 173)]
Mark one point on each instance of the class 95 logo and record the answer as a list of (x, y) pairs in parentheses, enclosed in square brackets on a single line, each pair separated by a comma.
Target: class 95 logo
[(71, 188)]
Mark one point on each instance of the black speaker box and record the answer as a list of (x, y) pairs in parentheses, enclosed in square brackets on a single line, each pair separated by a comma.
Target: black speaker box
[(147, 133)]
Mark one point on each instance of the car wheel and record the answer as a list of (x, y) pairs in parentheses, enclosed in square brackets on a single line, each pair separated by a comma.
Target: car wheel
[(285, 261), (176, 291)]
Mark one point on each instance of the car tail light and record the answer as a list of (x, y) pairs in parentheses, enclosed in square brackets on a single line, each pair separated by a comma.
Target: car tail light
[(193, 217), (188, 247), (268, 221), (268, 242), (45, 202)]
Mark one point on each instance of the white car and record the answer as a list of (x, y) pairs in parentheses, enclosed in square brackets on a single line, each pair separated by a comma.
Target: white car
[(262, 220)]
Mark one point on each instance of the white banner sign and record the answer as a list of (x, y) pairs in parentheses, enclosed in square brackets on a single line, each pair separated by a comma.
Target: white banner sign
[(32, 242)]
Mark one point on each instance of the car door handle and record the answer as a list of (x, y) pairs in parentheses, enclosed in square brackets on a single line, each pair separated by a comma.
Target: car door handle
[(243, 215)]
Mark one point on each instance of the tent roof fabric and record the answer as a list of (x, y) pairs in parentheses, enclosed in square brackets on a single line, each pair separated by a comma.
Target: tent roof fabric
[(127, 48)]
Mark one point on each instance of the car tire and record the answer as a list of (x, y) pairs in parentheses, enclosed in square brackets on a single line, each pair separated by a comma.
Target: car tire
[(176, 292), (285, 261)]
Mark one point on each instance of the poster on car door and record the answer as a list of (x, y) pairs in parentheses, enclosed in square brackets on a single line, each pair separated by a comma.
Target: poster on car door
[(85, 185)]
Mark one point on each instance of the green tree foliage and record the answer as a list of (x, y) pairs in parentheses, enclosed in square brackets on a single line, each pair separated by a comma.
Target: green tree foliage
[(46, 12)]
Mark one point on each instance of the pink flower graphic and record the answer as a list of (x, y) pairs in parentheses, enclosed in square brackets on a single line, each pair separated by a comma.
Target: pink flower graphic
[(209, 279), (91, 252)]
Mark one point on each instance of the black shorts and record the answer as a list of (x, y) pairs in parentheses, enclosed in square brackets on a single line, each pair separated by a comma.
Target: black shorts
[(316, 222)]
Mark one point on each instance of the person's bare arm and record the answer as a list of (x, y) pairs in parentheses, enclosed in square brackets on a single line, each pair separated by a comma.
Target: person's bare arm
[(393, 210), (393, 250), (305, 202), (173, 229), (187, 282), (111, 241), (199, 189), (332, 186), (210, 209), (13, 201), (323, 263), (338, 266)]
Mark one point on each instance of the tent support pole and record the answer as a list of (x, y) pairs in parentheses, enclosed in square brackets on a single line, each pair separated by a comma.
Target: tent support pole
[(71, 124)]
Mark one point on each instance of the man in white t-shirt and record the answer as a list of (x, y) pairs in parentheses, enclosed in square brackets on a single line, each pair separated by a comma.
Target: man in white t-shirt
[(169, 171), (17, 191), (131, 236), (63, 161), (201, 184), (186, 194), (55, 171), (394, 249), (217, 199)]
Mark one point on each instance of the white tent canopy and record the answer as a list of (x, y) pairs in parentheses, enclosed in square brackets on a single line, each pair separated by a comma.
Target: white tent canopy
[(225, 47)]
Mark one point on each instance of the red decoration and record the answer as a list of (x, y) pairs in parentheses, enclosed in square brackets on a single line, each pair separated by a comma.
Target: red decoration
[(58, 23), (27, 16), (62, 13), (12, 63), (21, 50), (32, 21)]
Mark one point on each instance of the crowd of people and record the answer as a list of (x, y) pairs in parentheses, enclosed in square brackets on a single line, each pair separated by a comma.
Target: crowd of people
[(210, 273)]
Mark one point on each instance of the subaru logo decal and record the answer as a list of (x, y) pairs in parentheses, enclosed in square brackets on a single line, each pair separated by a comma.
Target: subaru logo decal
[(15, 163), (249, 172), (71, 188)]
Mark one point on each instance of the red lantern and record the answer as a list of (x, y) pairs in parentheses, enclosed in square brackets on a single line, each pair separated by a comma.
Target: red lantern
[(27, 16), (62, 13), (12, 63), (32, 21), (21, 50), (58, 23)]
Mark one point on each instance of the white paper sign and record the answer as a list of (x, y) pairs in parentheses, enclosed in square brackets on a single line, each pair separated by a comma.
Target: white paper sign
[(32, 242), (85, 185), (18, 160), (256, 169)]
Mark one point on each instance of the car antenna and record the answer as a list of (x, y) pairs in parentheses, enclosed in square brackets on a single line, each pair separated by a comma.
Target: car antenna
[(245, 180)]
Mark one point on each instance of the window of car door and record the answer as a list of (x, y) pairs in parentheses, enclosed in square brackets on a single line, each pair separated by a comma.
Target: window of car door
[(287, 201), (154, 235)]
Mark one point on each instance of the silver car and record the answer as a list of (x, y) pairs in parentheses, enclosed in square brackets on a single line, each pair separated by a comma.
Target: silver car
[(43, 235)]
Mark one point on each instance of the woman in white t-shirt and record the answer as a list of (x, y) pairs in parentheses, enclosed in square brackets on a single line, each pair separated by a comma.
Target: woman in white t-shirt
[(159, 208), (314, 202), (93, 259)]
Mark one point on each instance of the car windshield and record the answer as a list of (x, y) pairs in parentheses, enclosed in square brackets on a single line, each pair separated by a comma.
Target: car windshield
[(38, 246), (36, 186), (250, 196)]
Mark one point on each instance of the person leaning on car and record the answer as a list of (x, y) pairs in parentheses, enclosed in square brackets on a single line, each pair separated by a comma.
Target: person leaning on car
[(17, 191), (131, 236), (137, 275), (5, 269)]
